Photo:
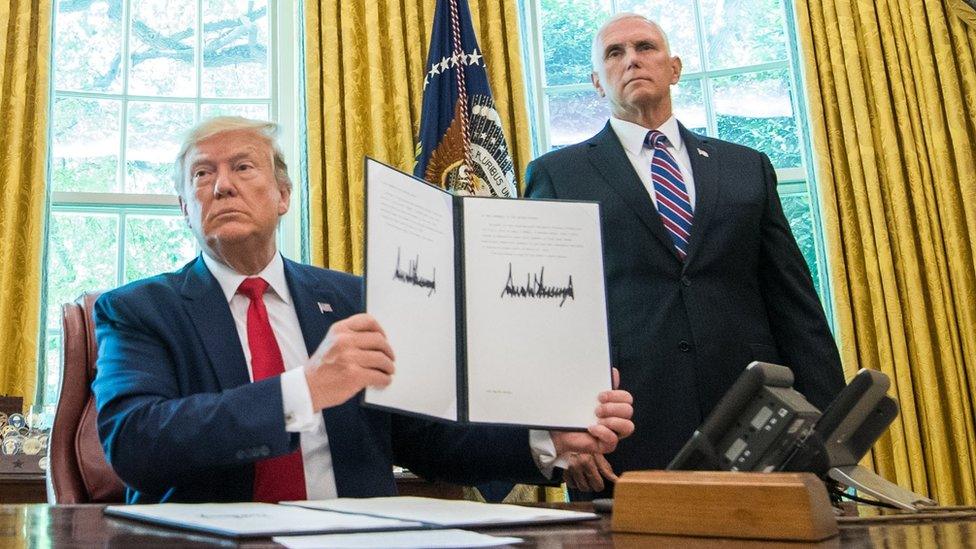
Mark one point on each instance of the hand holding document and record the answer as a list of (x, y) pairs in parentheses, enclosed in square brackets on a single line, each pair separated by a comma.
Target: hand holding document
[(613, 423), (495, 308)]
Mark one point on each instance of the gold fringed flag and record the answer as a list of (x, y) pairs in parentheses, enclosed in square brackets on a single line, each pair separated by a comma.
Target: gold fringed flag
[(461, 146)]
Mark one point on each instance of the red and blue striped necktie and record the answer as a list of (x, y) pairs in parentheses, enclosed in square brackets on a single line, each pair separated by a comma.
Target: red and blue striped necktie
[(673, 202)]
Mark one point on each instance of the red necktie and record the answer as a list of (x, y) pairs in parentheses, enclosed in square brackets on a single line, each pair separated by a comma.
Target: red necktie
[(279, 478)]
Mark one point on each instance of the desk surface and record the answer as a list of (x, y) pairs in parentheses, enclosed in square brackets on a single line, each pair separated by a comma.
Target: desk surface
[(86, 526)]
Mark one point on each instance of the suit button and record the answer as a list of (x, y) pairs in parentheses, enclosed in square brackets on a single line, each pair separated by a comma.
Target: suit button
[(685, 281), (240, 454), (684, 346)]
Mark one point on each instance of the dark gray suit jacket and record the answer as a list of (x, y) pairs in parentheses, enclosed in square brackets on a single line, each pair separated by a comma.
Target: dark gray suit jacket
[(681, 332)]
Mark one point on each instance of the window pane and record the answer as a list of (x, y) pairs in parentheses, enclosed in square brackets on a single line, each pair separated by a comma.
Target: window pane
[(744, 32), (155, 244), (678, 21), (568, 27), (85, 151), (162, 41), (153, 135), (257, 112), (754, 109), (82, 250), (575, 116), (798, 211), (88, 46), (51, 374), (235, 49), (688, 104)]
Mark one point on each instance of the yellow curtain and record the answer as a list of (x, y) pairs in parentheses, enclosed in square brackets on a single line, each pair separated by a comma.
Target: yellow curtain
[(364, 65), (25, 36), (892, 93)]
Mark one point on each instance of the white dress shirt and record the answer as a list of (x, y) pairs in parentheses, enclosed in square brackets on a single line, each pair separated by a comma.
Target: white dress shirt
[(632, 137), (300, 417), (297, 400)]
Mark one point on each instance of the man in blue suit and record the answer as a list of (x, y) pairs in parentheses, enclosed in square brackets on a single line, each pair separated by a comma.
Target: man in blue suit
[(206, 390), (703, 273)]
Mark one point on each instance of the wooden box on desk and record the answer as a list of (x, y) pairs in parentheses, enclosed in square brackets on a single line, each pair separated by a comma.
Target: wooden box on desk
[(780, 506)]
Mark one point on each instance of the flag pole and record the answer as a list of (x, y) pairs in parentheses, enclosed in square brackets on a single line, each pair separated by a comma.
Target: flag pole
[(466, 177)]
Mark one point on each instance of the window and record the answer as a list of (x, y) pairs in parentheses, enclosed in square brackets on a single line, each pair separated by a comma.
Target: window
[(129, 78), (739, 83)]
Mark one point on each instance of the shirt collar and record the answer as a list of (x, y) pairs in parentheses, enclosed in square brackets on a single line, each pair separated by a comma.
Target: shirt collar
[(632, 135), (230, 280)]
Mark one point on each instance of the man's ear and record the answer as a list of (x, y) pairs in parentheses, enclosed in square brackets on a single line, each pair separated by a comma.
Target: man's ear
[(595, 78), (186, 214), (676, 68), (285, 200)]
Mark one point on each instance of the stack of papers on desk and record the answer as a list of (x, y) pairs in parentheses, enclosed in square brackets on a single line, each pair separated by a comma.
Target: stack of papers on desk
[(255, 519), (344, 515), (417, 539), (445, 513)]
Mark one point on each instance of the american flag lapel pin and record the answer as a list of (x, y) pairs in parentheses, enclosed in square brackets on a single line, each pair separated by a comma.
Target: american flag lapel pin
[(324, 307), (703, 153)]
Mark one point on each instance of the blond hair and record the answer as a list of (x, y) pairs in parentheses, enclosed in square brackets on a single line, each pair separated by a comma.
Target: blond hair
[(210, 127)]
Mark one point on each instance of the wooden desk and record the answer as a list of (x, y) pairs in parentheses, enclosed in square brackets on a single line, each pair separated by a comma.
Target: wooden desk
[(22, 488), (86, 526)]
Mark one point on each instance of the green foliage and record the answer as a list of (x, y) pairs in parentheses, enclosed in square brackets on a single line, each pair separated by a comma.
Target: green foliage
[(156, 244), (82, 251), (568, 27), (744, 32), (775, 136), (798, 211)]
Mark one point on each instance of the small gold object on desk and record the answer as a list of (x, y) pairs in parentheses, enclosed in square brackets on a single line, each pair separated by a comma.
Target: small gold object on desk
[(769, 506), (23, 439)]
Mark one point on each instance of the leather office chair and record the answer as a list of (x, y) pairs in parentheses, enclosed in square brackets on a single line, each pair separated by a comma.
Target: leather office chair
[(78, 471)]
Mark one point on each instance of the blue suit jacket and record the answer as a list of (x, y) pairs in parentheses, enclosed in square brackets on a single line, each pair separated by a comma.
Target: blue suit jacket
[(682, 332), (180, 420)]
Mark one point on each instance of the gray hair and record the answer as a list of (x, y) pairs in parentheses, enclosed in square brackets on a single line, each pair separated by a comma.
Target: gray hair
[(597, 46), (220, 124)]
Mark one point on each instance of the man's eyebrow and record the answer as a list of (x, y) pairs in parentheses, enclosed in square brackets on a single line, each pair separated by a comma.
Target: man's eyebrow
[(247, 154)]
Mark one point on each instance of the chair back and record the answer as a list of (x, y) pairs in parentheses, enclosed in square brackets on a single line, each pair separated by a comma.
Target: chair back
[(78, 471)]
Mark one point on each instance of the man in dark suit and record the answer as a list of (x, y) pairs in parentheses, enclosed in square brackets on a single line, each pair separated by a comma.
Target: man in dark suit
[(206, 390), (703, 273)]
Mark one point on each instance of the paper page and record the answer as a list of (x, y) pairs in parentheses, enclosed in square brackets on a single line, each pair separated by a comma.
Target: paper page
[(253, 519), (537, 339), (444, 512), (410, 289), (397, 540)]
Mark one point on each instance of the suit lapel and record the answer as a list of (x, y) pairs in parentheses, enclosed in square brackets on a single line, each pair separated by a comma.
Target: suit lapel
[(204, 302), (610, 159), (318, 307), (707, 186), (314, 302)]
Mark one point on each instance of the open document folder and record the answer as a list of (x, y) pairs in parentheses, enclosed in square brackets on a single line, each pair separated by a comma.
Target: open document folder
[(344, 515), (495, 308)]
